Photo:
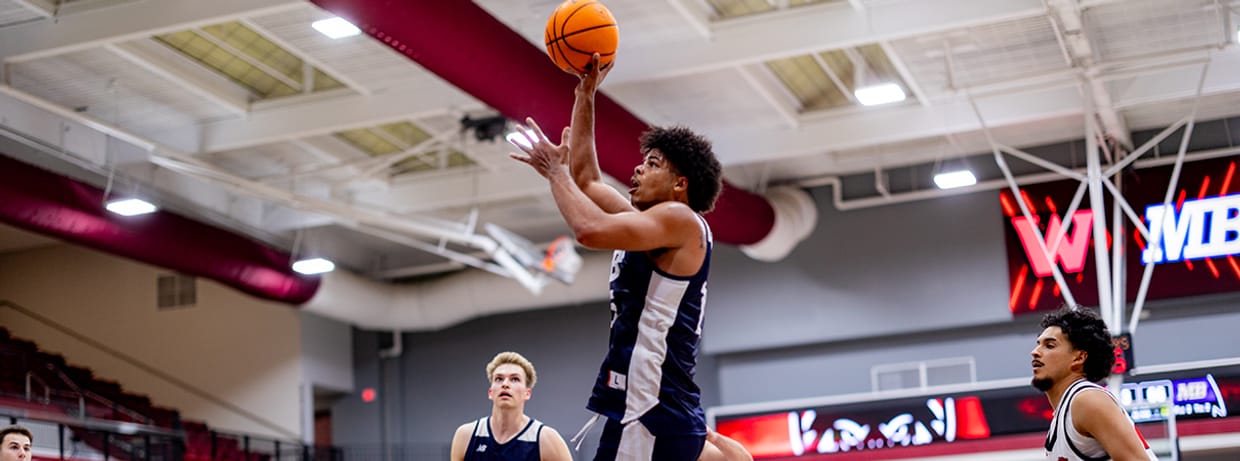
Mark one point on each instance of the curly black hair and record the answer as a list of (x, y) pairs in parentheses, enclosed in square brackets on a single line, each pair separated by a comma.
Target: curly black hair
[(691, 155), (1087, 332)]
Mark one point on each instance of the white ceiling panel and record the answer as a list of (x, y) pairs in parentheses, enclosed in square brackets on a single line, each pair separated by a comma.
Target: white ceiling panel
[(1163, 114), (980, 55), (111, 89), (12, 12), (641, 24), (711, 102), (359, 59), (1136, 28)]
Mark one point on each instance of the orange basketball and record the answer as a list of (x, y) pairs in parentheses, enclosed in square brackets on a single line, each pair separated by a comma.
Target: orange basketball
[(578, 29)]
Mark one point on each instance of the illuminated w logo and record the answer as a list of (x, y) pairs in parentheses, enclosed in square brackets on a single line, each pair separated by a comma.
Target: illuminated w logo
[(1071, 251)]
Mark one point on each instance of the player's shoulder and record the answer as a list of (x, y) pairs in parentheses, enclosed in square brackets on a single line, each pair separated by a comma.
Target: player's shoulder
[(1094, 404), (548, 431), (673, 210), (466, 429)]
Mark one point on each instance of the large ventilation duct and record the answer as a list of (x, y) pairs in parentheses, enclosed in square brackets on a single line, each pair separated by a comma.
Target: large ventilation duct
[(463, 44), (445, 301), (47, 203)]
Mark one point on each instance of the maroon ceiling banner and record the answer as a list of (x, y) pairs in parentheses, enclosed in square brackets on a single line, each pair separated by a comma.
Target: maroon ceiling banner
[(46, 203), (1197, 238), (463, 44)]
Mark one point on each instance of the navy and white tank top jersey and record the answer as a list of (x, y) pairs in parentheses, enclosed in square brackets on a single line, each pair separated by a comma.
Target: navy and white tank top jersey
[(656, 325), (1065, 443), (523, 447)]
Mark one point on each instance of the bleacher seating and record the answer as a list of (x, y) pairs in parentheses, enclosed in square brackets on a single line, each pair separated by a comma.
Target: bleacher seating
[(60, 388)]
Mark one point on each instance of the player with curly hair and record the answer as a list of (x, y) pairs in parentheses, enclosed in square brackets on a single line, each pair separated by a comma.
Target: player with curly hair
[(662, 244), (1074, 352)]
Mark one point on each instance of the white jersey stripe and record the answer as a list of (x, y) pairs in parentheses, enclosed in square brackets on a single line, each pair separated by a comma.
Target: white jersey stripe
[(530, 434), (636, 443), (646, 366)]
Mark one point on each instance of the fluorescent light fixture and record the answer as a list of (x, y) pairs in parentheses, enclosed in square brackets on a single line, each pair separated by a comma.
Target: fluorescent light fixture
[(522, 141), (879, 94), (954, 179), (335, 28), (130, 207), (314, 266)]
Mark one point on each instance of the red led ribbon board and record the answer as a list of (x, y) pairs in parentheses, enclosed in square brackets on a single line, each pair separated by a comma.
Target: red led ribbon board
[(946, 424), (1197, 251)]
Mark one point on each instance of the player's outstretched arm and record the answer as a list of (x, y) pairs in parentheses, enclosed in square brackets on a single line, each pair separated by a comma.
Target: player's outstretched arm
[(1094, 413), (666, 225), (460, 441), (552, 447), (583, 154)]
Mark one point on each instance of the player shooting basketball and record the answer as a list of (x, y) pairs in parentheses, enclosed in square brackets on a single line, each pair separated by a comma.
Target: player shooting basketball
[(662, 246)]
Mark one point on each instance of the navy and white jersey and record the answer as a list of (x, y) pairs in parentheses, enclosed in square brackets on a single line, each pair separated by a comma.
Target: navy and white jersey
[(656, 324), (523, 447), (1065, 443)]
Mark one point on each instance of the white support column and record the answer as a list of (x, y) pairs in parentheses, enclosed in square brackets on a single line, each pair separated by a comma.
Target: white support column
[(1093, 171), (1119, 270)]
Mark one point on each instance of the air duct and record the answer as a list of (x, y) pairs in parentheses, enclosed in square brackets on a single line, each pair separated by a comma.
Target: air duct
[(44, 202)]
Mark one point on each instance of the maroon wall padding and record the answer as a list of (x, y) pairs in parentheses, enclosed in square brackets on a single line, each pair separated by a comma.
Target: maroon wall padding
[(460, 42), (46, 203)]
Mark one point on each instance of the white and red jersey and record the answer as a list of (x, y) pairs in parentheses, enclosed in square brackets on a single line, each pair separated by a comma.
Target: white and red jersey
[(1064, 443)]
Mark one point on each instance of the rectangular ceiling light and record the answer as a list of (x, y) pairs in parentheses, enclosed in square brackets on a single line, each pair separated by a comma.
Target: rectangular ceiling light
[(130, 207), (335, 28), (314, 266), (879, 94), (954, 179)]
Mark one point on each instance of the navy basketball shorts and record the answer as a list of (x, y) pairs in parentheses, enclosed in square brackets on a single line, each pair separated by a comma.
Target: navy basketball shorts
[(633, 442)]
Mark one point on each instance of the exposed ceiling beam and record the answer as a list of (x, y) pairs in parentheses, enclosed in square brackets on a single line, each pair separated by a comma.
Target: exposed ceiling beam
[(317, 63), (814, 29), (421, 95), (696, 13), (45, 8), (1074, 38), (470, 187), (868, 128), (191, 76), (1180, 82), (124, 22), (892, 125)]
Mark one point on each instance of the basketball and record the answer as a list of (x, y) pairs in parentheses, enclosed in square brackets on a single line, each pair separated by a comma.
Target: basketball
[(576, 30)]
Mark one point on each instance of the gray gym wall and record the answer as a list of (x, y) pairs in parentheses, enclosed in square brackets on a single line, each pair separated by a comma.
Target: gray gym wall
[(891, 284)]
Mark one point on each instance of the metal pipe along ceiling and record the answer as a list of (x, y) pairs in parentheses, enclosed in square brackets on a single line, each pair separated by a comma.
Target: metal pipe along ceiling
[(461, 43), (47, 203)]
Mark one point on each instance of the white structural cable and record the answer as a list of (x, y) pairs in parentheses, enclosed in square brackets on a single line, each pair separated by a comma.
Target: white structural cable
[(1155, 234), (1097, 182), (1024, 208)]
